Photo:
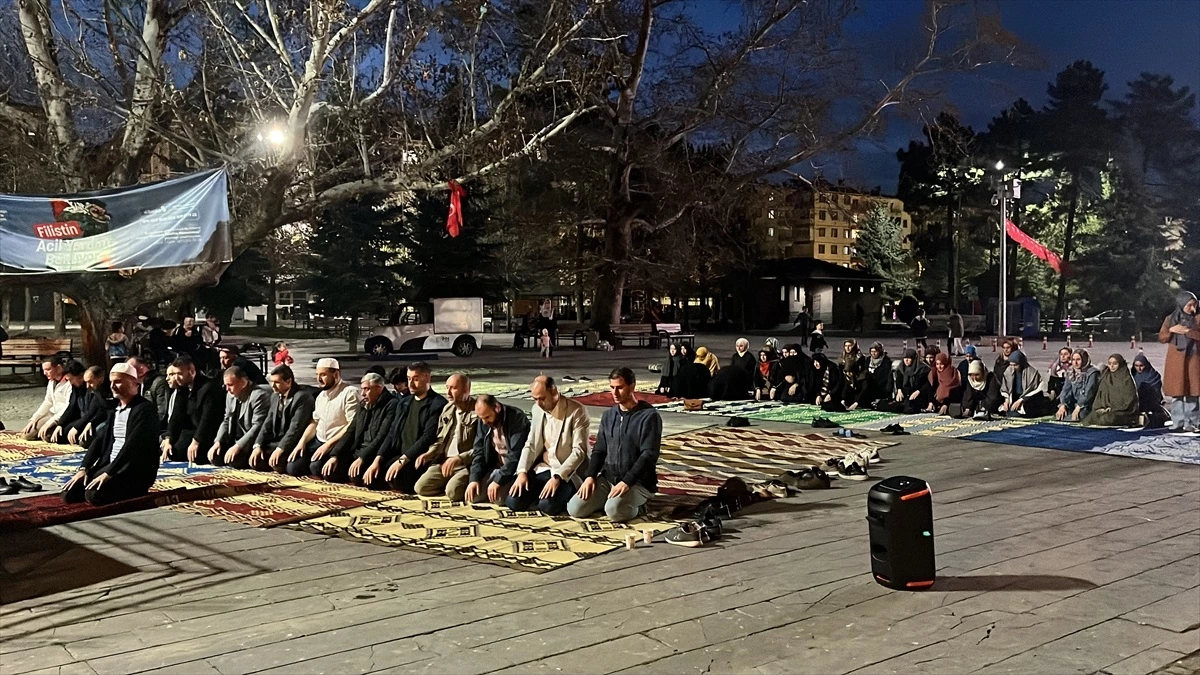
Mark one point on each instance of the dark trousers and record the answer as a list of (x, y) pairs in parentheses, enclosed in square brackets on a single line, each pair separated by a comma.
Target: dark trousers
[(180, 446), (242, 461), (341, 472), (552, 506), (116, 488), (302, 465)]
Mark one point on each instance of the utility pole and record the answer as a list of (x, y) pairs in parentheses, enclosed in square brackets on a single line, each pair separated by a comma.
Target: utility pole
[(1003, 192)]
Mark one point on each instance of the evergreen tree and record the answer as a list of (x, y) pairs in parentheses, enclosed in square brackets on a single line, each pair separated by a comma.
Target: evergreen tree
[(432, 264), (878, 245)]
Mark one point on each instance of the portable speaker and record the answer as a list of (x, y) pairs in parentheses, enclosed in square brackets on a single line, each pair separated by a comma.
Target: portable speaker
[(900, 518)]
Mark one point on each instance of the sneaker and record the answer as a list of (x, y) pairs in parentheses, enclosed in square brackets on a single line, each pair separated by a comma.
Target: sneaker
[(654, 368), (584, 378), (691, 534), (774, 489), (568, 378), (852, 470)]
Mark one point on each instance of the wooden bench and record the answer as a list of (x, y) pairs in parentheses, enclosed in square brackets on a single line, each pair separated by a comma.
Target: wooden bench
[(652, 334), (28, 352)]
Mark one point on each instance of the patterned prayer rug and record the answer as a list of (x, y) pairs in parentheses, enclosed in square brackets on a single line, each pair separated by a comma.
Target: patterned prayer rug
[(523, 540), (285, 499), (14, 448), (54, 471), (604, 399), (948, 427), (1064, 437), (754, 454), (804, 414), (1162, 447), (574, 389), (723, 408)]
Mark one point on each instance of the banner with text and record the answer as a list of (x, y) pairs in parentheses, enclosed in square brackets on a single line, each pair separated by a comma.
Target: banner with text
[(182, 221)]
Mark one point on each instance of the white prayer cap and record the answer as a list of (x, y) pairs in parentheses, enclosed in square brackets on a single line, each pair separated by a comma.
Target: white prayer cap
[(332, 364), (123, 369)]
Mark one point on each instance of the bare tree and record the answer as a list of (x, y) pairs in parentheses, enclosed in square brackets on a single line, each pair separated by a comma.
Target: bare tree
[(308, 104)]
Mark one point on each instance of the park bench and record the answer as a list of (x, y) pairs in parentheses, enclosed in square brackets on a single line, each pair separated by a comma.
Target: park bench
[(21, 353), (652, 334)]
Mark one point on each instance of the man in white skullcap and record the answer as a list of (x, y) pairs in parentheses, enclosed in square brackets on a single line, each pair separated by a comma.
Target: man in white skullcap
[(122, 460), (332, 415)]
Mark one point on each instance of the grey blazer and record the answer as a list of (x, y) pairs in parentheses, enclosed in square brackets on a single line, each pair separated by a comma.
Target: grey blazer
[(244, 419)]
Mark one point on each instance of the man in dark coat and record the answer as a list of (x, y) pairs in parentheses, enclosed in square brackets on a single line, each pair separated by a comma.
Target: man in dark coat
[(122, 462), (290, 413), (500, 436), (411, 434), (195, 408), (359, 446)]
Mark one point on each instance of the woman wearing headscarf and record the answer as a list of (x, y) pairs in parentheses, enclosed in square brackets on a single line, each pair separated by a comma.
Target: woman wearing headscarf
[(825, 384), (1021, 389), (981, 392), (1116, 402), (766, 375), (912, 385), (1149, 389), (693, 377), (734, 382), (944, 382), (1058, 373), (675, 361), (742, 358), (708, 360), (878, 380), (1078, 388), (970, 356), (854, 369), (793, 370), (1181, 373)]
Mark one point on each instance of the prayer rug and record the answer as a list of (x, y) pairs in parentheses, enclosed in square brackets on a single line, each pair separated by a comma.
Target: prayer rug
[(723, 408), (753, 454), (55, 471), (948, 427), (574, 389), (285, 499), (604, 399), (14, 448), (1162, 447), (1063, 437), (523, 540), (804, 414)]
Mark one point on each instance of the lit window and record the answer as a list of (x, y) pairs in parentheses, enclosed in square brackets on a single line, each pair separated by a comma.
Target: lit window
[(845, 250), (860, 289), (853, 234), (770, 232), (771, 214), (771, 198), (783, 293), (796, 293), (822, 214), (821, 248)]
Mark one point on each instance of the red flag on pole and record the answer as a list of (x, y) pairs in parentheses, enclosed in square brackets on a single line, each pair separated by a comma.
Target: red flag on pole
[(454, 220), (1035, 247)]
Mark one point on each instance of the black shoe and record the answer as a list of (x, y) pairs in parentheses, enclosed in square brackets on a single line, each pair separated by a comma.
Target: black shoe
[(852, 471), (891, 429), (813, 478), (23, 483), (824, 423), (568, 378), (584, 378), (7, 488)]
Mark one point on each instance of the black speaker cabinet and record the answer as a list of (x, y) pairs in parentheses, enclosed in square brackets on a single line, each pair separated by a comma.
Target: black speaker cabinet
[(900, 517)]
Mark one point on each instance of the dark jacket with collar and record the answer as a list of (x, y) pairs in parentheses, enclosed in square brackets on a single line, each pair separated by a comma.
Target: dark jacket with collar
[(75, 407), (426, 435), (138, 458), (199, 409), (369, 429), (286, 423), (93, 409), (485, 458), (627, 446)]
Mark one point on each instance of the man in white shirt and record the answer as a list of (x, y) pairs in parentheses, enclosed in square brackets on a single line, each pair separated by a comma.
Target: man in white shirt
[(334, 410), (557, 450), (122, 460), (447, 463), (58, 397)]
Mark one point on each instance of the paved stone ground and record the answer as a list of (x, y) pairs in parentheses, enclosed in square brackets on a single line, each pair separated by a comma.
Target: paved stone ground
[(1048, 562)]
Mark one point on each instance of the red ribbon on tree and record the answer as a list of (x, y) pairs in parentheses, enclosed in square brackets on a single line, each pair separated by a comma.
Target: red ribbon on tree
[(454, 220), (1036, 248)]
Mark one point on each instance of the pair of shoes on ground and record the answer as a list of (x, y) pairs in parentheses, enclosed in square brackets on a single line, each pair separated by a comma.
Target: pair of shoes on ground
[(824, 423), (895, 430), (854, 465), (581, 378), (846, 433), (19, 484), (812, 478), (696, 533)]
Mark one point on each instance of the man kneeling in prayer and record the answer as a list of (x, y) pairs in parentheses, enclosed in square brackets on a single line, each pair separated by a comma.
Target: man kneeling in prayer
[(122, 461)]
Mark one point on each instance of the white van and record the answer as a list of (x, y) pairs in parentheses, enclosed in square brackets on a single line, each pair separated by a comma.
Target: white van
[(448, 324)]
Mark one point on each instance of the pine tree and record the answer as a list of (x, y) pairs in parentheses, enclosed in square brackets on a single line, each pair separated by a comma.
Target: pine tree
[(879, 247), (432, 264)]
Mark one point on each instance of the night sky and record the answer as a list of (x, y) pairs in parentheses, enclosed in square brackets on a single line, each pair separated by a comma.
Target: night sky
[(1121, 37)]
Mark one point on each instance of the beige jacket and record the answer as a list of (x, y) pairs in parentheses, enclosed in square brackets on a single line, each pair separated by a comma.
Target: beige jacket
[(570, 448), (456, 429)]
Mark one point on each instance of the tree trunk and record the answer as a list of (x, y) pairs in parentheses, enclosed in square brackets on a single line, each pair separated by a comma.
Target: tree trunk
[(610, 282), (28, 308), (352, 333), (93, 321), (955, 290), (272, 309), (60, 319), (5, 310), (952, 259), (1068, 243)]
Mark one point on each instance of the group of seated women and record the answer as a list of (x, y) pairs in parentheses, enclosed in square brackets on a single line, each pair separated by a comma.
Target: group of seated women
[(1074, 389)]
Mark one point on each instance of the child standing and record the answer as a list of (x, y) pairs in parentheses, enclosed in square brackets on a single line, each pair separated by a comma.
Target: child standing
[(545, 342), (816, 341), (282, 357)]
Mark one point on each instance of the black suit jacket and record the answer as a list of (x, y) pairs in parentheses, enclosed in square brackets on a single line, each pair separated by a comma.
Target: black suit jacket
[(198, 410), (94, 410), (138, 458), (285, 425), (369, 429), (75, 407), (390, 450), (485, 458)]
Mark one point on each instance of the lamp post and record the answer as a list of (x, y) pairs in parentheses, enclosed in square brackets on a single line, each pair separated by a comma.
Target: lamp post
[(1002, 194)]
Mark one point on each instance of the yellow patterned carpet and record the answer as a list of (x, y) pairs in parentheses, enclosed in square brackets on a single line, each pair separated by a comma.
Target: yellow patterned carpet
[(522, 540)]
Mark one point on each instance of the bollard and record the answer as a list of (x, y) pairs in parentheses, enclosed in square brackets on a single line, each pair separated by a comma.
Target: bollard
[(1044, 341), (1133, 342), (1068, 340), (1091, 340), (993, 344)]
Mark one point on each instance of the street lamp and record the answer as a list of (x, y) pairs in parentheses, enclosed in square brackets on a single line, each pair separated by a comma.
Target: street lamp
[(1005, 189)]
